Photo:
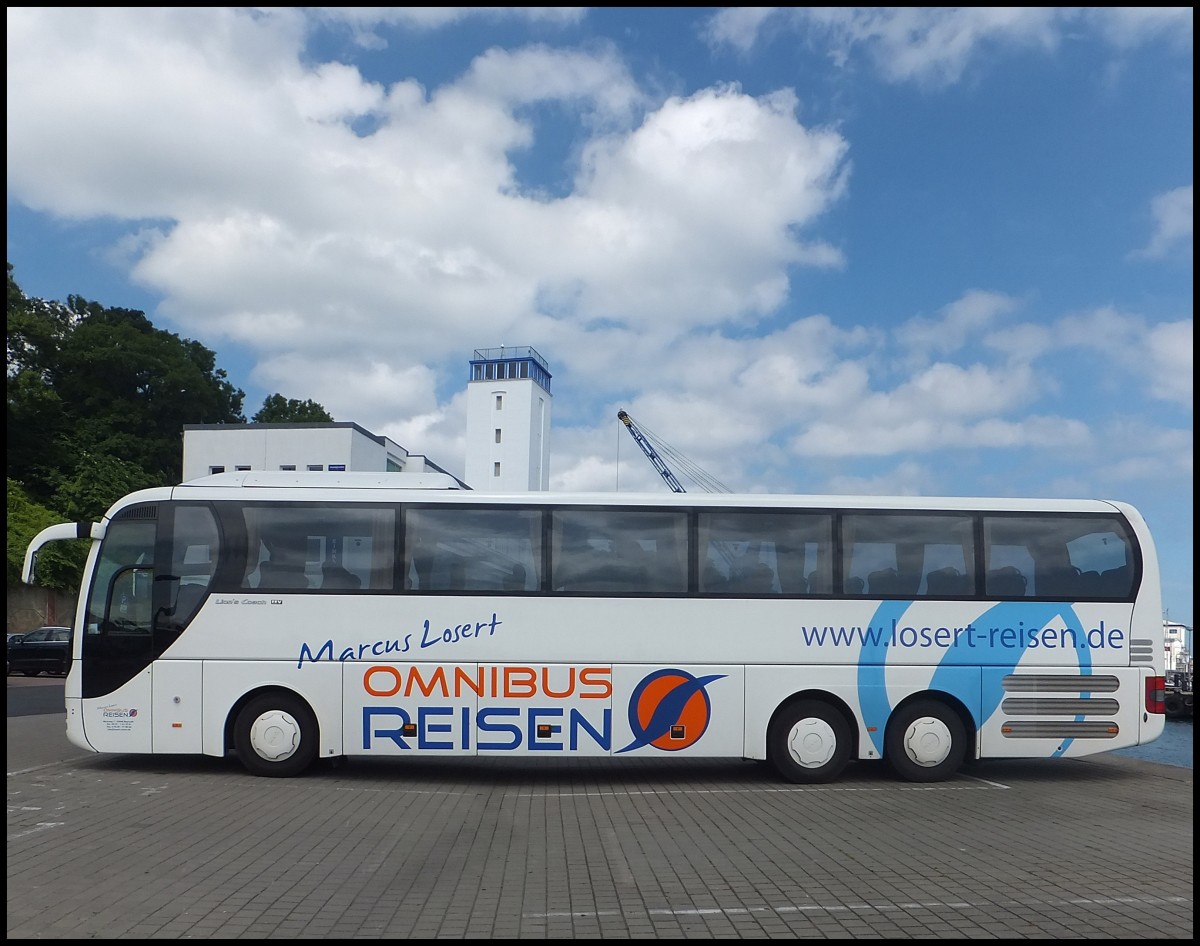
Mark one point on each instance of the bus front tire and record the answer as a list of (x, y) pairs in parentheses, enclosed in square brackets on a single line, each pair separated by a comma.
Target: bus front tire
[(925, 741), (809, 742), (276, 735)]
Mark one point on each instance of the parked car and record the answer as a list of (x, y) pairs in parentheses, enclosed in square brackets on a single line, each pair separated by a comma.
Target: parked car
[(46, 649)]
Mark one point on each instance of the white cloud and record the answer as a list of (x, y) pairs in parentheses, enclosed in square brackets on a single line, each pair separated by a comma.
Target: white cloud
[(284, 230), (361, 239), (1172, 213), (432, 18), (958, 323), (739, 27), (1128, 27), (904, 479), (1169, 362), (1159, 356), (936, 45)]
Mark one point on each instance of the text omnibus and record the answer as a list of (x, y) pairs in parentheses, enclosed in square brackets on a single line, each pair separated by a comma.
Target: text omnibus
[(293, 617)]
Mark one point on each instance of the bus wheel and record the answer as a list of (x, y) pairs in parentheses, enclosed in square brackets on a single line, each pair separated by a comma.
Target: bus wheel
[(926, 741), (809, 742), (276, 735)]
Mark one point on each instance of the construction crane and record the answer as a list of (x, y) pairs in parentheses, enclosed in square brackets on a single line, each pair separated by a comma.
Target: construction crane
[(647, 440)]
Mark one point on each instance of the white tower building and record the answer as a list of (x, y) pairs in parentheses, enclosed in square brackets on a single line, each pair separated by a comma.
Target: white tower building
[(508, 421)]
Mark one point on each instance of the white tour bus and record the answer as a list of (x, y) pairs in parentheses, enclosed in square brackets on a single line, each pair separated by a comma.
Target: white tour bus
[(291, 617)]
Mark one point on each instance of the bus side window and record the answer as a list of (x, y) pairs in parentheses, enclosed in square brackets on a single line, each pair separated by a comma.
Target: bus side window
[(885, 581), (339, 577), (1101, 552), (1115, 582), (945, 582), (764, 553), (821, 584), (470, 549), (516, 578), (194, 554), (1006, 582), (282, 574)]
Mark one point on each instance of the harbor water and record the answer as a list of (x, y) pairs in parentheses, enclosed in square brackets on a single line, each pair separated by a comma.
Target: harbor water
[(1174, 747)]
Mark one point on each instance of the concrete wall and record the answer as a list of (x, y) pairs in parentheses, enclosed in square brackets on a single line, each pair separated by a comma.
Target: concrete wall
[(32, 607), (524, 424)]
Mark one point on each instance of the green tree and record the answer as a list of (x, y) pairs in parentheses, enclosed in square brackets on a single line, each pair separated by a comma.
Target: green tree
[(60, 564), (130, 388), (96, 482), (101, 390), (97, 402), (279, 410), (38, 446)]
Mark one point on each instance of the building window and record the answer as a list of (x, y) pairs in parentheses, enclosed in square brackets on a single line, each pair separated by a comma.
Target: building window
[(499, 402), (316, 467), (337, 468), (287, 466), (496, 469), (242, 469), (216, 469), (497, 435)]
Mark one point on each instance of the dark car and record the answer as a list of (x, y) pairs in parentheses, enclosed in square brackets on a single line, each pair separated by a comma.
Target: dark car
[(46, 649)]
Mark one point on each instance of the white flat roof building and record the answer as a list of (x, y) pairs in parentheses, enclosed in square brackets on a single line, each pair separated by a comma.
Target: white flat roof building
[(332, 447), (507, 436)]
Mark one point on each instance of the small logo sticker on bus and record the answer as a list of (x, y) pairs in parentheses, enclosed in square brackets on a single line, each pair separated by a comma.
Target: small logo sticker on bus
[(118, 718)]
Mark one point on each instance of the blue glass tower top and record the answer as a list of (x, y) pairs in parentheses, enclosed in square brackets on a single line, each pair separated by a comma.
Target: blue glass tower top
[(511, 364)]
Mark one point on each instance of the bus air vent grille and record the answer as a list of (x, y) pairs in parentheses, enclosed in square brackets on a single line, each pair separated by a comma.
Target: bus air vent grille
[(1141, 651), (1064, 729), (1059, 706), (138, 512), (1060, 683)]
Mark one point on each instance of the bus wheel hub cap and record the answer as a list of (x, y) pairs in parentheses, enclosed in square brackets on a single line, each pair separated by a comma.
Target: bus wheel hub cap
[(927, 741), (812, 742), (275, 735)]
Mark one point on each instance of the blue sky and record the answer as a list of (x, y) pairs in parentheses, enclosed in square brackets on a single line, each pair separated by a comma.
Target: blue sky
[(934, 251)]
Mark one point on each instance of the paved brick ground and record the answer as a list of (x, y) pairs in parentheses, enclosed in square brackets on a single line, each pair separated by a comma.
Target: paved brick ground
[(170, 848)]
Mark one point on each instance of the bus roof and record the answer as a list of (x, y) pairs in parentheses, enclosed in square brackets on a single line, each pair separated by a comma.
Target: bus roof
[(439, 487)]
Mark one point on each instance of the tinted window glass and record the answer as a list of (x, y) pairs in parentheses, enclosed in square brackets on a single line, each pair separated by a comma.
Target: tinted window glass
[(331, 548), (890, 555), (1058, 557), (468, 549), (745, 553), (619, 551)]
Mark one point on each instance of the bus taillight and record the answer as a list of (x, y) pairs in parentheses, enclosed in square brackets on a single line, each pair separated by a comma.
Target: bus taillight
[(1156, 695)]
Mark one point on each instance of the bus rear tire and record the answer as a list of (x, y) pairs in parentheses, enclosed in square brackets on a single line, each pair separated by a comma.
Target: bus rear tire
[(809, 742), (925, 741), (276, 735)]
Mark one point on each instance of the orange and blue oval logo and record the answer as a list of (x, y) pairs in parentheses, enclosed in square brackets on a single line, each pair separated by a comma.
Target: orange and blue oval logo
[(670, 710)]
